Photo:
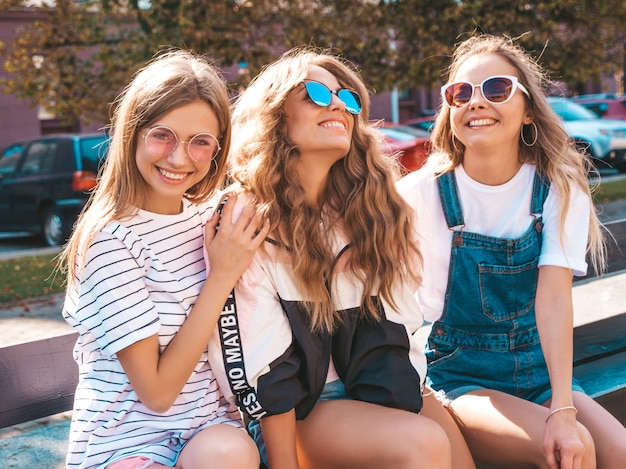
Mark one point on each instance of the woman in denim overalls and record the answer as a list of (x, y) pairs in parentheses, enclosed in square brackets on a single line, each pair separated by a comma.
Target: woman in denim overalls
[(506, 220)]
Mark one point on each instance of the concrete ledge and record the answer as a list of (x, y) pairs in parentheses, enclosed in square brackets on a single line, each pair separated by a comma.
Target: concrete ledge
[(42, 444)]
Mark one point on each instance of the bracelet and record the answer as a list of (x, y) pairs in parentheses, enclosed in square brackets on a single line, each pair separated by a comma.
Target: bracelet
[(559, 409)]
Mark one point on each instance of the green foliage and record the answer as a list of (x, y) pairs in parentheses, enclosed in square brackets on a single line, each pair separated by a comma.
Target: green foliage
[(609, 191), (87, 51), (29, 277)]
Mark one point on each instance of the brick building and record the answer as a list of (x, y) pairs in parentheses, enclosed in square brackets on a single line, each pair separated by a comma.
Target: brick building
[(18, 118)]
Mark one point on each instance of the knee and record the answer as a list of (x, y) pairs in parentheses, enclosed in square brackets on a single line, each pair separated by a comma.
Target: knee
[(223, 447), (428, 443), (238, 451)]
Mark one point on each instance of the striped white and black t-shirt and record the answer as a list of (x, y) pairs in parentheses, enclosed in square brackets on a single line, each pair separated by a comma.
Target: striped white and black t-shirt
[(142, 277)]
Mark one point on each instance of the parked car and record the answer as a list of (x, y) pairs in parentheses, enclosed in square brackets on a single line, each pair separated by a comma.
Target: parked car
[(44, 183), (607, 106), (603, 139), (410, 144), (424, 123)]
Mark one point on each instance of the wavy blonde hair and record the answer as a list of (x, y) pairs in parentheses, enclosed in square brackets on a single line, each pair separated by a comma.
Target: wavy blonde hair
[(359, 194), (553, 154), (171, 80)]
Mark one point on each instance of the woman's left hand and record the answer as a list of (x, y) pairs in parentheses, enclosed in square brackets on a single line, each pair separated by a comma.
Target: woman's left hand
[(231, 247), (562, 443)]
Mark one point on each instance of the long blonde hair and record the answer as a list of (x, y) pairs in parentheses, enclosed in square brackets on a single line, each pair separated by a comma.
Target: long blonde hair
[(360, 189), (170, 80), (553, 154)]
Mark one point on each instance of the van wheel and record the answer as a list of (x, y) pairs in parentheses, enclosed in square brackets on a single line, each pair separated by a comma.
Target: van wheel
[(53, 227)]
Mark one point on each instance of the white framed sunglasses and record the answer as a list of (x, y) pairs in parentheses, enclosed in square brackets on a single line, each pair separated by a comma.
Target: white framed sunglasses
[(497, 89)]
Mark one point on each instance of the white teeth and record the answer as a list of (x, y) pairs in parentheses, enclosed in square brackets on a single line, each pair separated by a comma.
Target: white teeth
[(480, 122), (169, 175), (333, 124)]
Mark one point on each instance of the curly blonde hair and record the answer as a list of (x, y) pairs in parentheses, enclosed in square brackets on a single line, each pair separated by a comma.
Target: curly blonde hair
[(359, 194), (553, 154), (171, 80)]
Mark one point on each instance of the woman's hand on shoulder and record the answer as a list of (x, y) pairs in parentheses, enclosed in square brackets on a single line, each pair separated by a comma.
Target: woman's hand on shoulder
[(233, 237)]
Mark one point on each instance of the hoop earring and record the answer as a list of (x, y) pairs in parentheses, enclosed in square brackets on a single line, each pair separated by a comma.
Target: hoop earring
[(536, 134)]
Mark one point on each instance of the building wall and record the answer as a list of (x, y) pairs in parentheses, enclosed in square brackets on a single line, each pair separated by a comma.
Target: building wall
[(18, 119)]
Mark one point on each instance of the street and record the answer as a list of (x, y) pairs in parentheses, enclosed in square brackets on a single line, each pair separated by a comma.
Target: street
[(612, 214), (10, 242)]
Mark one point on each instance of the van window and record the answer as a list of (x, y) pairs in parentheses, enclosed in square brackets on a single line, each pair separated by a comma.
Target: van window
[(93, 150), (10, 158), (39, 158)]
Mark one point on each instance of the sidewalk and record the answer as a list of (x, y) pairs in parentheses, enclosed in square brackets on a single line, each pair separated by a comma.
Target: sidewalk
[(34, 319)]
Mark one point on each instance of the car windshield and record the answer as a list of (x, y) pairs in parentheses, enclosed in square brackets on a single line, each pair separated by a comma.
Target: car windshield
[(415, 131), (397, 134), (426, 125), (570, 111)]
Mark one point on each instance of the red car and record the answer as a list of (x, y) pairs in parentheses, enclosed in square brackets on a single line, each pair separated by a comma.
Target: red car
[(410, 144), (425, 123)]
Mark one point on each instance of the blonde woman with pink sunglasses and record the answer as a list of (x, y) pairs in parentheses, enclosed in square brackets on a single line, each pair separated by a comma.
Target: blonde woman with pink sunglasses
[(506, 220)]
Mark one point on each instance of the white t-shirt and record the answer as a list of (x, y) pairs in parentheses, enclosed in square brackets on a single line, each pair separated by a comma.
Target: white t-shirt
[(280, 354), (499, 211), (142, 277)]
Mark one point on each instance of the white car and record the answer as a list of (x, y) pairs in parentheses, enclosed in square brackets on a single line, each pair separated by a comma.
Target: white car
[(603, 139)]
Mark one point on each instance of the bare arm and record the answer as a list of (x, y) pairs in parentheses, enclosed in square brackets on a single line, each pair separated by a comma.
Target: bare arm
[(159, 378), (554, 311), (279, 434)]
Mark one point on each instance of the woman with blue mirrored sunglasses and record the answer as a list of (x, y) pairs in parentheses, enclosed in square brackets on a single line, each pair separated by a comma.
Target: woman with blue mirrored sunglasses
[(321, 95), (327, 313)]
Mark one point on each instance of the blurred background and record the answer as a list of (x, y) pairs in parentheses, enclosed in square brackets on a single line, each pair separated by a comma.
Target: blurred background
[(62, 63)]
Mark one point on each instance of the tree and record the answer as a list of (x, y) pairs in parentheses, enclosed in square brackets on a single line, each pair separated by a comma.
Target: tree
[(78, 59), (575, 41)]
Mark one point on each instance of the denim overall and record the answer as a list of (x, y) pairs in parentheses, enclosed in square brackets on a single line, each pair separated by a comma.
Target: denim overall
[(487, 334)]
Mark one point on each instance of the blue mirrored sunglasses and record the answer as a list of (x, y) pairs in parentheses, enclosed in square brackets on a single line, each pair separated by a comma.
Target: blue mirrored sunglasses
[(321, 95)]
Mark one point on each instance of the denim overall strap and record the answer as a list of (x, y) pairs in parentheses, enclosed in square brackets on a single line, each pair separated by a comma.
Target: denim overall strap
[(541, 187), (452, 209), (487, 334)]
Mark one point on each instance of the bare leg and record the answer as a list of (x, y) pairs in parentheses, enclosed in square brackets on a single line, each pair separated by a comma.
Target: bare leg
[(347, 433), (220, 446), (505, 430), (608, 434), (434, 410)]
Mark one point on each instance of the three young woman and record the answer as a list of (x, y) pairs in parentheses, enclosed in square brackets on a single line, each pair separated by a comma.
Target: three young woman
[(325, 315), (505, 218)]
